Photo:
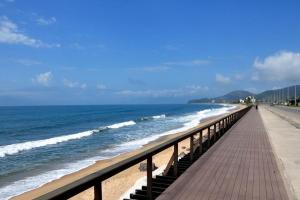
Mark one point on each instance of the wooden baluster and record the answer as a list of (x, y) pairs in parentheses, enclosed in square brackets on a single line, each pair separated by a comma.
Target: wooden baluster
[(219, 129), (98, 191), (191, 147), (149, 178), (200, 141), (208, 136), (227, 122), (176, 159), (215, 132)]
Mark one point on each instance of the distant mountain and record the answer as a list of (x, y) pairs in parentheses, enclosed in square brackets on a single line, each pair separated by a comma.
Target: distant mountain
[(269, 95), (233, 96), (283, 93)]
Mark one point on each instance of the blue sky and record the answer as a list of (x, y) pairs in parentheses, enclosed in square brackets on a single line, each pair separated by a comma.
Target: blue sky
[(136, 51)]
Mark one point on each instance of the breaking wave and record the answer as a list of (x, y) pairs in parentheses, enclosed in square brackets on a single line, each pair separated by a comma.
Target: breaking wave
[(24, 146)]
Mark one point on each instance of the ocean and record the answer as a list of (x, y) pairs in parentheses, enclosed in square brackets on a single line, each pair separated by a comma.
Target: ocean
[(42, 143)]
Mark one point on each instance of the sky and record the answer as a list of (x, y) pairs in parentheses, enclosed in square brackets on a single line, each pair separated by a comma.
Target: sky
[(62, 52)]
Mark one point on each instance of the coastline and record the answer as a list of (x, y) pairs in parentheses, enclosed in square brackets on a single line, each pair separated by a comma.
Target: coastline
[(124, 180)]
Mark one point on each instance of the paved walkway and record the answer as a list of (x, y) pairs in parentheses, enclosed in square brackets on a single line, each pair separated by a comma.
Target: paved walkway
[(241, 165), (285, 140), (290, 114)]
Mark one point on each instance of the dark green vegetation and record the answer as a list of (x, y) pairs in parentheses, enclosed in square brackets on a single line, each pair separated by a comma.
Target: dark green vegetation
[(233, 96), (281, 95)]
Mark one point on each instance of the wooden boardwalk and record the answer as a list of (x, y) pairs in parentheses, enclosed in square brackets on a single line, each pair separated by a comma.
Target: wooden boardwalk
[(241, 165)]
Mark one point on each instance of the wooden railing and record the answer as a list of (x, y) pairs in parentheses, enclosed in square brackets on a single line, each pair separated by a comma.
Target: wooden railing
[(215, 128)]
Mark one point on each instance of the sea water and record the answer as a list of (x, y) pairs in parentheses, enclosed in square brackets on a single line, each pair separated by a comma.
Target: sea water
[(42, 143)]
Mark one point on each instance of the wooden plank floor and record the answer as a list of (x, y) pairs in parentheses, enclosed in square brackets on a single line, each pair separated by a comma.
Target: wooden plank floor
[(241, 165)]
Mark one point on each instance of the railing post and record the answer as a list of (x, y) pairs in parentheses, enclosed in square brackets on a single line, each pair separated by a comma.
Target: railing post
[(200, 142), (227, 122), (215, 132), (176, 159), (191, 147), (219, 129), (223, 128), (149, 178), (208, 136), (98, 191)]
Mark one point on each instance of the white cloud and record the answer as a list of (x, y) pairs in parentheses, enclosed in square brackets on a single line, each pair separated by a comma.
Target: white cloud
[(74, 84), (281, 66), (28, 62), (101, 87), (222, 79), (10, 34), (44, 21), (184, 91), (44, 78), (70, 84), (155, 68), (196, 62), (158, 68), (169, 65), (255, 77), (239, 77), (77, 46)]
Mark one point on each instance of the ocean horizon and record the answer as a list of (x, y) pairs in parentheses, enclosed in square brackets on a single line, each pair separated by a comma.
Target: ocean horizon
[(43, 143)]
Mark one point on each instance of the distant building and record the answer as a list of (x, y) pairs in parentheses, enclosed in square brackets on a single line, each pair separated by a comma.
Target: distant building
[(250, 99)]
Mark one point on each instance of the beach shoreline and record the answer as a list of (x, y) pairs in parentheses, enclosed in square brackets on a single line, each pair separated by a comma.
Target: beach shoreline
[(124, 180)]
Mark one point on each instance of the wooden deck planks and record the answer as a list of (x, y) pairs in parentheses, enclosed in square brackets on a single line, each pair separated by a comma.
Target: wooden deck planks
[(241, 165)]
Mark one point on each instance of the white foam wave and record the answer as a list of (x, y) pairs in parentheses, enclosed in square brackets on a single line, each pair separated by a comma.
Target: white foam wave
[(120, 125), (159, 116), (32, 182), (207, 113), (19, 147), (16, 148), (154, 117), (189, 121)]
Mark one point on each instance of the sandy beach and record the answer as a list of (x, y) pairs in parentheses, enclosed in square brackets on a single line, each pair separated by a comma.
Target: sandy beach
[(116, 186)]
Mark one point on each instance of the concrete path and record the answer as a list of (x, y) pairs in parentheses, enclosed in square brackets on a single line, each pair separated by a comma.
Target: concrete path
[(285, 140), (290, 114)]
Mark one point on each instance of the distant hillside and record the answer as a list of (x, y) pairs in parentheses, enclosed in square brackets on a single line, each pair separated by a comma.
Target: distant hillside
[(282, 93), (230, 97), (268, 95)]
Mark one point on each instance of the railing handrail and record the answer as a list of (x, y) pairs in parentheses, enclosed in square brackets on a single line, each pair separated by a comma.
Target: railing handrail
[(91, 180)]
